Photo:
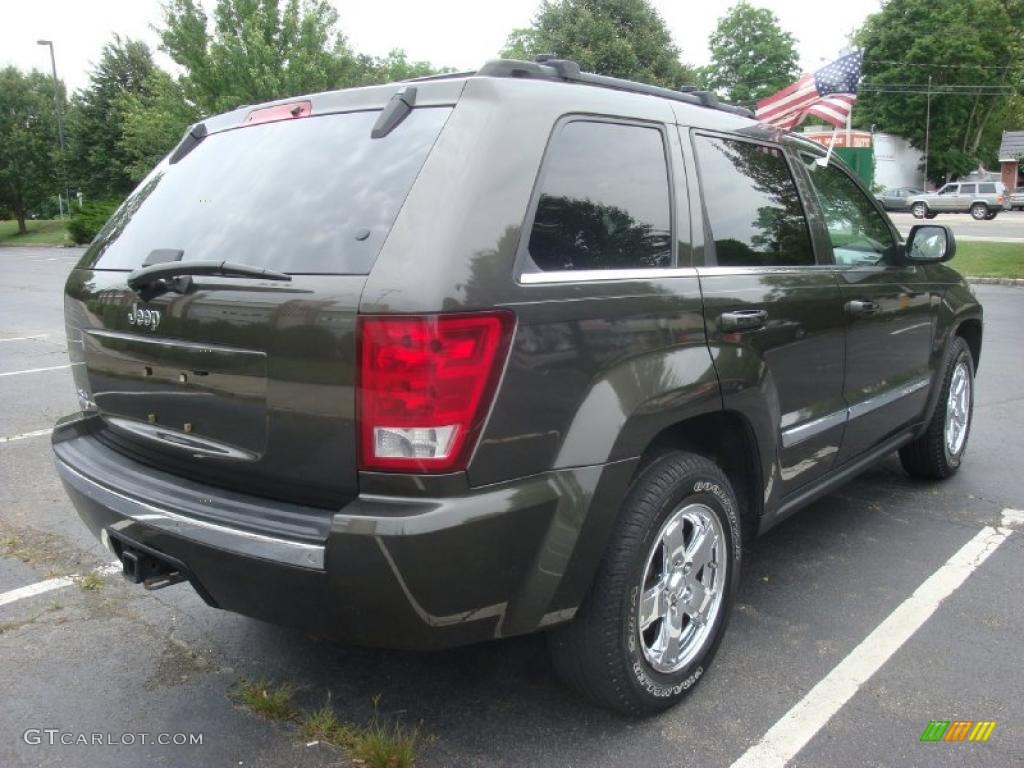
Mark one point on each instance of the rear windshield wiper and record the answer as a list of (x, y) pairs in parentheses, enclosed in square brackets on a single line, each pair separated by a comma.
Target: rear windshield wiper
[(151, 279)]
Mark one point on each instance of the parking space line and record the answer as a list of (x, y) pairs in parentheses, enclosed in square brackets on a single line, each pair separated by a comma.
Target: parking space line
[(23, 435), (42, 587), (39, 588), (36, 370), (26, 338), (799, 725)]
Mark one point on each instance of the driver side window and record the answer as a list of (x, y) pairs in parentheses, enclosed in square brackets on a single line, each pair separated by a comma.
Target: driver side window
[(859, 234)]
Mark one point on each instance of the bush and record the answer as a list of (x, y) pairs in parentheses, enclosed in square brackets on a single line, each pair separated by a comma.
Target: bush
[(89, 219)]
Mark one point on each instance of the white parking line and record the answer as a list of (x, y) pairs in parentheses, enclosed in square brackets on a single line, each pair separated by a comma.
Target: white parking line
[(36, 370), (23, 435), (26, 338), (42, 587), (798, 726)]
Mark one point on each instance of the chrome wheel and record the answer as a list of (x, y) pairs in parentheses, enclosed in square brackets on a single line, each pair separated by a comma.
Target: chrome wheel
[(682, 589), (958, 409)]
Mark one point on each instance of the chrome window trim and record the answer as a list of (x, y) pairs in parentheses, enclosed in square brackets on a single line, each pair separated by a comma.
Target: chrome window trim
[(235, 540), (595, 275)]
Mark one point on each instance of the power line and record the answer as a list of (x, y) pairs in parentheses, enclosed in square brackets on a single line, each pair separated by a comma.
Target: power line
[(940, 66)]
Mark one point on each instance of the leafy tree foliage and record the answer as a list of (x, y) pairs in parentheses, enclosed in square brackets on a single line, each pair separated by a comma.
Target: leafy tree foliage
[(154, 120), (28, 142), (957, 44), (97, 161), (621, 38), (751, 56)]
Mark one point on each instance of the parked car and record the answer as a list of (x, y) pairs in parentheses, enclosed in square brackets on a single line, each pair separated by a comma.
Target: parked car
[(1017, 200), (981, 199), (896, 199), (472, 356)]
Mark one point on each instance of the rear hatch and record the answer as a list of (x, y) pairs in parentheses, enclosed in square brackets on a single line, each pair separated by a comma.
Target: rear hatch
[(246, 383)]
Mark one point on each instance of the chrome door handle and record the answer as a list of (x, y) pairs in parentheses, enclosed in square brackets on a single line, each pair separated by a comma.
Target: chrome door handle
[(860, 308), (743, 320)]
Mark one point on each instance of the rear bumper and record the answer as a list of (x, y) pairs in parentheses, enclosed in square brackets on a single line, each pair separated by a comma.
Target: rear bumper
[(386, 571)]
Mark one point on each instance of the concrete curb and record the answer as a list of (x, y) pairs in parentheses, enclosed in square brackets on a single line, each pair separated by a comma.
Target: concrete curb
[(1014, 281)]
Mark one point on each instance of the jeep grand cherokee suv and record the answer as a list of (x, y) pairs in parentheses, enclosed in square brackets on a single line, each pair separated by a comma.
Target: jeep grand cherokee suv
[(426, 364), (981, 199)]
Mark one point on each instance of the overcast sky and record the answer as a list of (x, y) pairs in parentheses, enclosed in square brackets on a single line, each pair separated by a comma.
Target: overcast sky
[(456, 33)]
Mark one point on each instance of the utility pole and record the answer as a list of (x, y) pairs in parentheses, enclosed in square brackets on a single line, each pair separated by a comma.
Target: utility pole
[(927, 131), (60, 124)]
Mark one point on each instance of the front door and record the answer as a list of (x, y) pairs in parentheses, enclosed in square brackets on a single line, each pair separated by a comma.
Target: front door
[(890, 314), (773, 315)]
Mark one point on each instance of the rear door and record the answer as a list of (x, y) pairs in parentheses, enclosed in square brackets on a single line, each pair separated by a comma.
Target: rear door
[(890, 313), (245, 383), (773, 315)]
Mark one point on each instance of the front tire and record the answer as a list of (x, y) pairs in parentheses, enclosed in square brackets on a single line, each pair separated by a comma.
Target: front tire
[(661, 598), (937, 454), (920, 210)]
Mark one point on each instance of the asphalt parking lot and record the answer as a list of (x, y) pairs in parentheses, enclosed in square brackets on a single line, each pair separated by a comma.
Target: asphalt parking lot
[(118, 660)]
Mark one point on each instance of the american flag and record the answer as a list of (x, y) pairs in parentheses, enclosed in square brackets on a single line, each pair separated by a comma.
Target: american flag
[(828, 93)]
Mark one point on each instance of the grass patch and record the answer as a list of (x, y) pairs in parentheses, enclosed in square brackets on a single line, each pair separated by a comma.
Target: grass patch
[(91, 582), (267, 699), (40, 232), (375, 745), (983, 259)]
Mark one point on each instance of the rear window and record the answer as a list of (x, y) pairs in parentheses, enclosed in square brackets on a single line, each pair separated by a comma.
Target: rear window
[(752, 205), (313, 195)]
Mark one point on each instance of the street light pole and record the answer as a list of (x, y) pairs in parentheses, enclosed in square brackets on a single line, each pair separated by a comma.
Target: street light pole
[(60, 121), (927, 131)]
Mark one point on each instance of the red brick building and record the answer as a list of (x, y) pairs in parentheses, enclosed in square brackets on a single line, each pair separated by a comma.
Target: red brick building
[(1011, 159)]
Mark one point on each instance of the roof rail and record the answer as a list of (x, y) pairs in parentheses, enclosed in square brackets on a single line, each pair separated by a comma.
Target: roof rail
[(547, 67)]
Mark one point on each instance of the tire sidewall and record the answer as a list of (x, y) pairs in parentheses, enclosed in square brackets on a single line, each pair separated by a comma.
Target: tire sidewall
[(962, 354), (919, 210), (658, 688), (979, 207)]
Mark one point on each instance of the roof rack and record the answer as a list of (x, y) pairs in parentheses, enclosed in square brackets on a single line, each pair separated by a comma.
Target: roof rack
[(550, 68)]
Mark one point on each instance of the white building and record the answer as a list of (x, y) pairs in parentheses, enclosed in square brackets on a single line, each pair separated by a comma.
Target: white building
[(897, 164)]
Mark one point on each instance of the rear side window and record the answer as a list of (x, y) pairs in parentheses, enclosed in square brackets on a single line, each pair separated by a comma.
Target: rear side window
[(987, 189), (604, 200), (966, 189), (314, 195), (752, 205)]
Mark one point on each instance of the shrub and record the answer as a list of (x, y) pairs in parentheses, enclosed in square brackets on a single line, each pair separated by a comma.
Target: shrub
[(89, 219)]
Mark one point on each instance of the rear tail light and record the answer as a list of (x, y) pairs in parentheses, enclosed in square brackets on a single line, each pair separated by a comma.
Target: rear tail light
[(425, 385)]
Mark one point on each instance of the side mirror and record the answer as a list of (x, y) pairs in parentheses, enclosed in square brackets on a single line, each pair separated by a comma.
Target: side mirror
[(929, 243)]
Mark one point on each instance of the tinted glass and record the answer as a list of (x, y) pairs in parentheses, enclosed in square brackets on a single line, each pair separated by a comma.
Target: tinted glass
[(752, 205), (604, 201), (858, 232), (966, 189), (987, 189), (315, 195)]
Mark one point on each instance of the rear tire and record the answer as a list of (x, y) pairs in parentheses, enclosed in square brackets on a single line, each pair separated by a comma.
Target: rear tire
[(938, 452), (920, 210), (979, 211), (659, 604)]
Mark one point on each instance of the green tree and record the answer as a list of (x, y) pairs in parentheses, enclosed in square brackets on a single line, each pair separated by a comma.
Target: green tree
[(960, 46), (621, 38), (256, 51), (28, 142), (98, 165), (154, 120), (751, 56)]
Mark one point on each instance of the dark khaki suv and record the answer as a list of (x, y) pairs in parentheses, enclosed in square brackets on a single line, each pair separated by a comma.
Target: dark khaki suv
[(432, 363)]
